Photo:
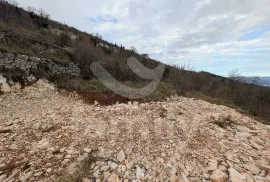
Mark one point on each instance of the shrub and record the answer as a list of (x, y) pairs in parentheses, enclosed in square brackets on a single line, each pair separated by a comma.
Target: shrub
[(224, 121)]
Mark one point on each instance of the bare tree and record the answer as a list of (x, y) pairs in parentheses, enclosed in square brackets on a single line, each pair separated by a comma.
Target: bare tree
[(13, 3), (43, 14), (133, 49), (31, 10), (98, 36), (236, 76)]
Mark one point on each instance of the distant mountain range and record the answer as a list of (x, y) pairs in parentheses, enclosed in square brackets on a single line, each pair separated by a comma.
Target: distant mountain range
[(263, 81)]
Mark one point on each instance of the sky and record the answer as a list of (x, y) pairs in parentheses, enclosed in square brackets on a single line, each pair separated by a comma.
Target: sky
[(216, 36)]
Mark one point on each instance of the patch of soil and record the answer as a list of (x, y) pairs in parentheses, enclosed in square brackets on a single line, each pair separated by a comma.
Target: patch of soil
[(102, 98)]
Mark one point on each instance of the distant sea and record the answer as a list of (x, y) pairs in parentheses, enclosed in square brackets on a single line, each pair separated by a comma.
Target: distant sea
[(263, 81)]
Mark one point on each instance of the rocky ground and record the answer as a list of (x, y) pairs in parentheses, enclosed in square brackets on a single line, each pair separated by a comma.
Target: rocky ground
[(48, 136)]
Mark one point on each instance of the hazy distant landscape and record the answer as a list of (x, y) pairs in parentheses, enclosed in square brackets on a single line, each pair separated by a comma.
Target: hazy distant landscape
[(265, 81)]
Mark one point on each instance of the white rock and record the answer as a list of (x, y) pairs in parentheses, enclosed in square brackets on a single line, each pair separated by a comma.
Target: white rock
[(82, 158), (96, 173), (87, 150), (252, 168), (72, 169), (173, 171), (139, 173), (3, 177), (174, 178), (124, 168), (212, 165), (121, 156), (106, 175), (105, 168), (255, 145), (9, 123), (222, 168), (184, 178), (37, 174), (86, 180), (36, 59), (13, 147), (43, 144), (263, 167), (242, 135), (206, 175), (259, 179), (5, 87), (68, 157), (218, 176), (129, 164), (235, 176), (49, 170), (112, 165), (26, 176), (113, 178), (248, 178)]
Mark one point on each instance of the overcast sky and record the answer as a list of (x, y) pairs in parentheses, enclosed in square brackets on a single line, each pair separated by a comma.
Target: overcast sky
[(211, 35)]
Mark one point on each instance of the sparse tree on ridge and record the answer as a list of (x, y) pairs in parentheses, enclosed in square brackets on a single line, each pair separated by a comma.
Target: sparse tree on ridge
[(133, 49), (236, 76), (12, 2)]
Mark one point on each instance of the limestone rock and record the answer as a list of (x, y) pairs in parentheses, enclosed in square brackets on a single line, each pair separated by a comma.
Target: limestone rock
[(121, 156), (86, 180), (252, 167), (235, 176), (73, 169), (3, 177), (263, 167), (174, 178), (113, 178), (5, 87), (87, 150), (212, 165), (105, 168), (13, 147), (218, 176), (139, 173), (112, 165)]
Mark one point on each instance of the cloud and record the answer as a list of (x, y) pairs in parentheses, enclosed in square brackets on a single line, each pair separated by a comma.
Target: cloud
[(176, 31)]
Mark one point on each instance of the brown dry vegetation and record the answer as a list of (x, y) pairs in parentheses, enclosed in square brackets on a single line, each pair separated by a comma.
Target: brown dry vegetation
[(27, 28)]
